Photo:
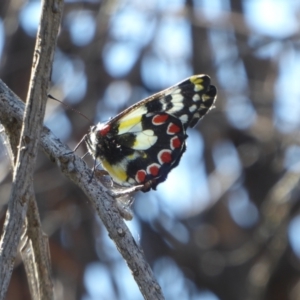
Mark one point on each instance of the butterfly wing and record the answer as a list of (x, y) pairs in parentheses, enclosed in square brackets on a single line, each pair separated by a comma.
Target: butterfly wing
[(145, 142), (188, 100), (155, 150)]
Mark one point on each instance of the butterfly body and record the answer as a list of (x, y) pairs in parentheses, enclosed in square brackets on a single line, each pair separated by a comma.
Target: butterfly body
[(142, 144)]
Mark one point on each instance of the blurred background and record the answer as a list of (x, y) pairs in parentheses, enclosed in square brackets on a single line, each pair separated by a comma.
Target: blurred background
[(226, 223)]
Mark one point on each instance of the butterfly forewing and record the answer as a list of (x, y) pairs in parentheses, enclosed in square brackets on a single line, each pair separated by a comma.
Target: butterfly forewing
[(144, 142)]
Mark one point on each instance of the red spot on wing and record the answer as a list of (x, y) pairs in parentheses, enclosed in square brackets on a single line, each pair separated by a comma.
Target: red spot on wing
[(164, 156), (140, 176), (175, 142), (104, 130), (159, 119), (153, 169), (173, 128)]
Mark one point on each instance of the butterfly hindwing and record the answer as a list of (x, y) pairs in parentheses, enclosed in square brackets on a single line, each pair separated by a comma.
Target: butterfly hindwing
[(152, 161), (144, 142)]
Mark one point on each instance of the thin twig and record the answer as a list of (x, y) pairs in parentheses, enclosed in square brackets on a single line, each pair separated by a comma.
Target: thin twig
[(35, 249), (29, 139), (36, 256)]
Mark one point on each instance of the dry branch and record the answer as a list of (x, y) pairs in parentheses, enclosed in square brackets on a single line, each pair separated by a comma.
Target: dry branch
[(22, 189), (75, 169)]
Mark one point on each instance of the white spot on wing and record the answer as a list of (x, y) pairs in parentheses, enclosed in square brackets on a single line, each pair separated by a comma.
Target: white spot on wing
[(131, 181), (144, 140), (184, 118), (176, 108), (196, 116), (196, 97), (177, 98), (164, 104), (192, 108)]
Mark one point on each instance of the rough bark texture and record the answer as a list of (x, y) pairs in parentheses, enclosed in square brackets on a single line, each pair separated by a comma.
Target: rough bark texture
[(29, 139), (76, 170)]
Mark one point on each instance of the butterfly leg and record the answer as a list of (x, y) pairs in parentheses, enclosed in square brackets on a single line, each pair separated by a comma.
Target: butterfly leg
[(77, 146), (80, 142)]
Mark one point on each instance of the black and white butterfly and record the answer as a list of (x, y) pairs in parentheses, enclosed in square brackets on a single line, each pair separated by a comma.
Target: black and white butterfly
[(143, 143)]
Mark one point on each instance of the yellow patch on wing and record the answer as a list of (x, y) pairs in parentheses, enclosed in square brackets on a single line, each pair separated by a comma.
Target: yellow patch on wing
[(144, 140), (197, 82), (131, 122), (131, 156), (135, 155), (130, 125), (206, 97), (117, 172)]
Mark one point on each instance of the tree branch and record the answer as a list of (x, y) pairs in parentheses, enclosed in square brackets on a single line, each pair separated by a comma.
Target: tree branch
[(35, 248), (27, 150), (36, 255), (74, 168)]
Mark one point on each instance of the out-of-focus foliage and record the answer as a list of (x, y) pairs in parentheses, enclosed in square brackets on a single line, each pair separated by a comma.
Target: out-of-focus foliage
[(226, 223)]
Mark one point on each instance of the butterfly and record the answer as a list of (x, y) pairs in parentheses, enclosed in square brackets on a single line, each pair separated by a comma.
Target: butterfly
[(143, 143)]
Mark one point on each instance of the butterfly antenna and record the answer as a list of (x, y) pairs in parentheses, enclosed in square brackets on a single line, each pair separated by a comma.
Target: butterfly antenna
[(69, 107)]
